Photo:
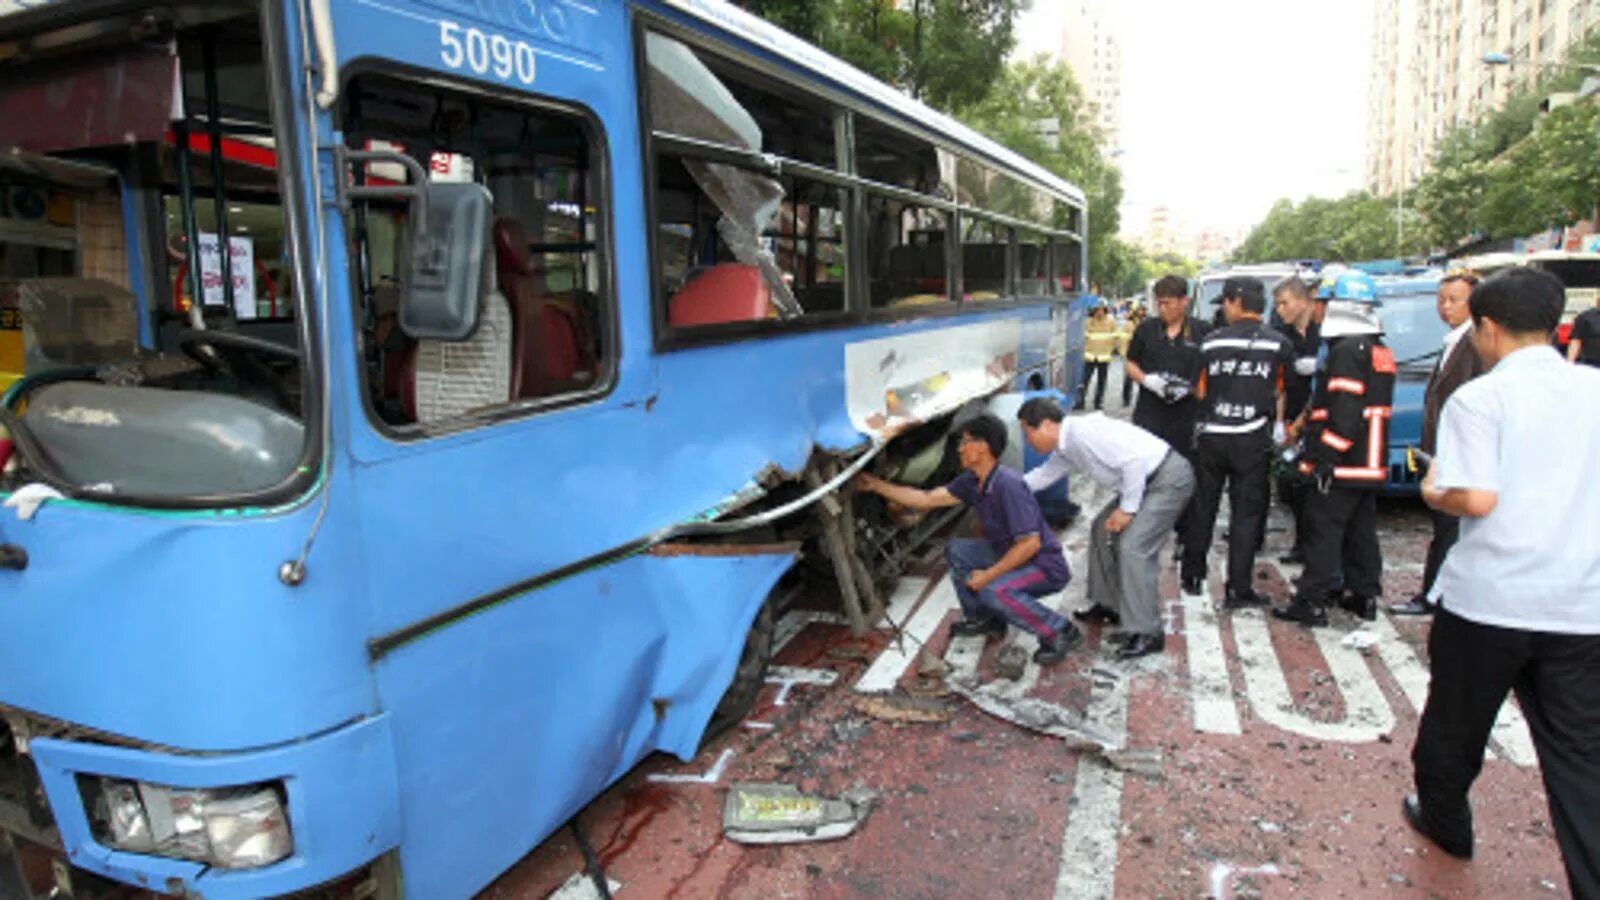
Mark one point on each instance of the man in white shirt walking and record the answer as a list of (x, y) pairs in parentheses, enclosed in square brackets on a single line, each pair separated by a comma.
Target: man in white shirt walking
[(1519, 594), (1152, 483)]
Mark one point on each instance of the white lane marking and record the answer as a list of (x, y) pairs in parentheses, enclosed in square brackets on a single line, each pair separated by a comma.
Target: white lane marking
[(709, 776), (907, 591), (1366, 712), (581, 887), (1210, 686), (795, 621), (1223, 874), (1509, 737), (786, 677), (1094, 825), (885, 671)]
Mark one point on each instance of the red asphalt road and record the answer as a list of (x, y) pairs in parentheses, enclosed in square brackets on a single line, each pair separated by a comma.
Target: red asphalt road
[(976, 807)]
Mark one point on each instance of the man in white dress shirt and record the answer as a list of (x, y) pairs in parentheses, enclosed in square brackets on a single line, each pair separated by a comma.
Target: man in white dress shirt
[(1519, 594), (1152, 484)]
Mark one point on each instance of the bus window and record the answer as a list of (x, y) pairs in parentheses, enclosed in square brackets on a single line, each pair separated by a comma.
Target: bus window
[(542, 332), (1066, 258), (736, 241), (1033, 274), (984, 249), (905, 253), (807, 243)]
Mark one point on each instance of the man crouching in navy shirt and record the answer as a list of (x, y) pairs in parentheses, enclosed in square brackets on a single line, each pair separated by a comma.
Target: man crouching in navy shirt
[(1001, 576)]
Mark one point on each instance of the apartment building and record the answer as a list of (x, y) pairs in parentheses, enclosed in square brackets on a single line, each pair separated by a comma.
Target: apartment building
[(1428, 73)]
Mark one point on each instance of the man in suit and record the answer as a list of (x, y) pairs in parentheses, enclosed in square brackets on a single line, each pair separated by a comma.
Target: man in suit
[(1458, 363)]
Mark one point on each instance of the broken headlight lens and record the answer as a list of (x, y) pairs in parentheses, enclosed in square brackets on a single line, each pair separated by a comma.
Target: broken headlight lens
[(232, 828)]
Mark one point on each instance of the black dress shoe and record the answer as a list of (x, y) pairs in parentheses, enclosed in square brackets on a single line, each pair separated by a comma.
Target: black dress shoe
[(1363, 608), (1142, 645), (1459, 846), (1052, 652), (1416, 606), (989, 627), (1303, 612), (1097, 615), (1243, 599), (1295, 557), (1194, 585)]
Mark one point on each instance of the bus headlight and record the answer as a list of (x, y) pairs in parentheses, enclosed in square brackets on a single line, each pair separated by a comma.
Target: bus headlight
[(232, 828)]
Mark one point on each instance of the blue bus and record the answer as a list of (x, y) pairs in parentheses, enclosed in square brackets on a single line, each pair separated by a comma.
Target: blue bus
[(416, 408)]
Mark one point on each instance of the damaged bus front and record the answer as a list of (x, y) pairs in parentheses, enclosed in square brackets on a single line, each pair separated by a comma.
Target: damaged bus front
[(415, 411)]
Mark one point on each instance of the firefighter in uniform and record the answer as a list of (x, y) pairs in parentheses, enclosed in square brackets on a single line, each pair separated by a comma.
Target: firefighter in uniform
[(1346, 458), (1241, 392)]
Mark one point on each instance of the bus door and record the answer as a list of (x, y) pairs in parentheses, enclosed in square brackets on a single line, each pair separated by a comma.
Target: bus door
[(525, 648)]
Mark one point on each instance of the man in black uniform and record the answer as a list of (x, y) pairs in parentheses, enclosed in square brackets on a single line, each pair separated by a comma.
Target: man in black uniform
[(1163, 358), (1346, 453), (1241, 392), (1291, 300)]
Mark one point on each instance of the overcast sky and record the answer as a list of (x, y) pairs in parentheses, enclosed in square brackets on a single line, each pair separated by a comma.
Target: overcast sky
[(1228, 105)]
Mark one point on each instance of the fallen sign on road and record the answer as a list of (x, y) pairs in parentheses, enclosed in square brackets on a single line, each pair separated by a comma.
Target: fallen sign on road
[(780, 814), (1056, 721)]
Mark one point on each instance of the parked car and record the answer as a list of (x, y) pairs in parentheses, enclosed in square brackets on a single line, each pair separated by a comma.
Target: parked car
[(1414, 332)]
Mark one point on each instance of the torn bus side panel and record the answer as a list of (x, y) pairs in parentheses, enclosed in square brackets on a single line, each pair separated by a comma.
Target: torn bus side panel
[(521, 717)]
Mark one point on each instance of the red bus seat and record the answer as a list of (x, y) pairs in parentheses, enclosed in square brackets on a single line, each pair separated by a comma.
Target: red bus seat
[(728, 292)]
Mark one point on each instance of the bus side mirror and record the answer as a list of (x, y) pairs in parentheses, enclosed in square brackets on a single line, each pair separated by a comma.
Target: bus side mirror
[(443, 277), (444, 280)]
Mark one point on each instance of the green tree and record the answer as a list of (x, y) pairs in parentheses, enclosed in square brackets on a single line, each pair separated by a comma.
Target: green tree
[(946, 53), (1356, 226), (1031, 91)]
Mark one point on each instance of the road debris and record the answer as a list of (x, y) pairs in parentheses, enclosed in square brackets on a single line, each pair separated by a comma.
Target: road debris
[(1037, 715), (902, 708), (758, 813), (1359, 640), (1011, 662)]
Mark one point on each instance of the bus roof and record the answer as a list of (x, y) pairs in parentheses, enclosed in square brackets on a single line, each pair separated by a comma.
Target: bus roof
[(740, 24)]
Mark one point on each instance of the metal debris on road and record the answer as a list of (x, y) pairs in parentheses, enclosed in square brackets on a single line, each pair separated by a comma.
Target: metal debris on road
[(781, 814), (903, 708), (1037, 715)]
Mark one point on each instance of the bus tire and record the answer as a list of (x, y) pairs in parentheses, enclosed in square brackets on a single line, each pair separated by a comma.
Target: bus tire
[(751, 673)]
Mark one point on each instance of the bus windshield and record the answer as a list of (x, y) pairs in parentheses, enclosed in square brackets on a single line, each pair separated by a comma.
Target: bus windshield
[(149, 339)]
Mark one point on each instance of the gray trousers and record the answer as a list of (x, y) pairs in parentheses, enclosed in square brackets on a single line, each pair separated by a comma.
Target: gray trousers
[(1124, 569)]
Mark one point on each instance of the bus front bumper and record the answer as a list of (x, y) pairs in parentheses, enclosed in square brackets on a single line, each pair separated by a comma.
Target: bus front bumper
[(338, 790)]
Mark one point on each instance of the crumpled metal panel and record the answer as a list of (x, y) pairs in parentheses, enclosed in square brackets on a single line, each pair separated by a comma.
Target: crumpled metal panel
[(508, 722)]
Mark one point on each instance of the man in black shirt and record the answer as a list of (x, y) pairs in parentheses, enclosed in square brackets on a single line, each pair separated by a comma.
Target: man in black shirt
[(1584, 344), (1163, 358), (1241, 392), (1291, 300)]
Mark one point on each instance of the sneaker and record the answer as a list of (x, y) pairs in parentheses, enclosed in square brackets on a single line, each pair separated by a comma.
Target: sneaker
[(1302, 612), (1416, 606), (1243, 598), (1194, 586), (990, 627), (1052, 652)]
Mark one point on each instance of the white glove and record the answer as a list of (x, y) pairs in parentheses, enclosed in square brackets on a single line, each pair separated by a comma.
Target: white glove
[(1156, 383), (1280, 435), (1305, 365)]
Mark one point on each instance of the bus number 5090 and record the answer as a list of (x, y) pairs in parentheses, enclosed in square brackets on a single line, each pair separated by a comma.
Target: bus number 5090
[(484, 53)]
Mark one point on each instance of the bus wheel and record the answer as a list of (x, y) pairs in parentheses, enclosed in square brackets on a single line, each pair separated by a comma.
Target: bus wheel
[(751, 673)]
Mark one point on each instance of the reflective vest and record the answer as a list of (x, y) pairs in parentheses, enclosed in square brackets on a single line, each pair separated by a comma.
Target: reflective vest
[(1348, 426)]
